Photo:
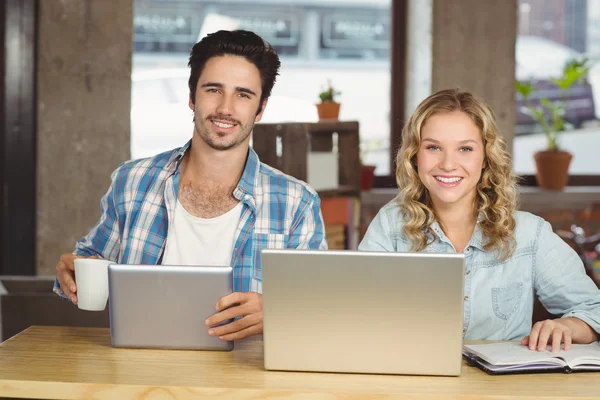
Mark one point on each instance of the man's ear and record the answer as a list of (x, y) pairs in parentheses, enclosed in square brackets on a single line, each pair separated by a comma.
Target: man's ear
[(191, 102), (261, 110)]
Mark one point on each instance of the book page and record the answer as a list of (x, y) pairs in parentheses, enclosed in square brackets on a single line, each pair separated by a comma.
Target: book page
[(512, 353), (540, 367), (583, 354)]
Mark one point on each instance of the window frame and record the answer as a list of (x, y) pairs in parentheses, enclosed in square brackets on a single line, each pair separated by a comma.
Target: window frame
[(18, 136)]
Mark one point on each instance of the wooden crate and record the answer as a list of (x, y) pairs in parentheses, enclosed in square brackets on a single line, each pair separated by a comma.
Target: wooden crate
[(336, 236), (297, 139)]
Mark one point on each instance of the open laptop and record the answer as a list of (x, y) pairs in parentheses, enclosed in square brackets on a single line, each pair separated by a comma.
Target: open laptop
[(349, 311), (162, 306)]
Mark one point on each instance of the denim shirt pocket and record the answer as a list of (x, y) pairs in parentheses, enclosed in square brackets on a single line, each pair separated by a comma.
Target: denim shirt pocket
[(506, 300)]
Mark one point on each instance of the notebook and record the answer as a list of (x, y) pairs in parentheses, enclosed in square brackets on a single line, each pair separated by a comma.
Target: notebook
[(514, 358)]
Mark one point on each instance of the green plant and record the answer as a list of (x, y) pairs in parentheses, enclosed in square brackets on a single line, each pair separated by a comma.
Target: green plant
[(573, 71), (329, 94)]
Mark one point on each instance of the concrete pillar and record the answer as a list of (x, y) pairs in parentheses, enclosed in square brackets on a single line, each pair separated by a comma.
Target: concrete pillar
[(473, 47), (418, 53), (83, 118)]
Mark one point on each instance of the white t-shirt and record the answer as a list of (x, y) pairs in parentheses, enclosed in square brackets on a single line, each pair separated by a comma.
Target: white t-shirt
[(201, 241)]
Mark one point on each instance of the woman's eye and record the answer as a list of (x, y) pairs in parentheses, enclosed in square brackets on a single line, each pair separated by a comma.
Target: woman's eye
[(465, 149), (432, 147)]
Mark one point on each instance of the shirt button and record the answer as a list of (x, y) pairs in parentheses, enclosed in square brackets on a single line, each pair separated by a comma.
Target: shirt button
[(468, 272), (466, 298)]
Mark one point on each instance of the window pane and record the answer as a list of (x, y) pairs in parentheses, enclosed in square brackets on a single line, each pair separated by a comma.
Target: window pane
[(360, 34), (551, 34), (345, 42)]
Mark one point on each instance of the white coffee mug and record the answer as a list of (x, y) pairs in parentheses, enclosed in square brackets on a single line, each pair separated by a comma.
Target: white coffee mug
[(91, 278)]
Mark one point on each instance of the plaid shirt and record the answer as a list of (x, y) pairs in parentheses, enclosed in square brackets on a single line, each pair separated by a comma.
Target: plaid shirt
[(278, 212)]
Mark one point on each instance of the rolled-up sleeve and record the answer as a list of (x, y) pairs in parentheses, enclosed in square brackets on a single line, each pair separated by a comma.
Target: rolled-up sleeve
[(561, 282)]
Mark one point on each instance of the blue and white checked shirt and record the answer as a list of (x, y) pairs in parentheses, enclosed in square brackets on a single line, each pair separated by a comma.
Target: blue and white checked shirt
[(278, 212)]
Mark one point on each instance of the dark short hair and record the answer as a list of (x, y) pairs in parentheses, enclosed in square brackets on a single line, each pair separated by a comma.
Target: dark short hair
[(237, 43)]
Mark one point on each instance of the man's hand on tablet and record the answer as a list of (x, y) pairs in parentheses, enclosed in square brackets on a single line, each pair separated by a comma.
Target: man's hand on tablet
[(248, 306)]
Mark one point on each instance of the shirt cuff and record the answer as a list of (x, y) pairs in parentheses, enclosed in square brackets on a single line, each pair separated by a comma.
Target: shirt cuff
[(589, 318), (56, 289)]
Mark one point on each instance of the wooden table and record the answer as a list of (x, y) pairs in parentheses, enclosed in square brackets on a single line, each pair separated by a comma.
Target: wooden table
[(72, 363)]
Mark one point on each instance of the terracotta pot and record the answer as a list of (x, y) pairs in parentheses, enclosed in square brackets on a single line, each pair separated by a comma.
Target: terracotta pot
[(552, 169), (328, 110), (367, 176)]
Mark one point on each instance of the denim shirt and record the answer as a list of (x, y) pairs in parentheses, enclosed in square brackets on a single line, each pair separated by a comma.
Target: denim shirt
[(499, 295)]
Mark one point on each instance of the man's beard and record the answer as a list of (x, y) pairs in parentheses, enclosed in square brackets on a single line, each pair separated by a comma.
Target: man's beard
[(205, 129)]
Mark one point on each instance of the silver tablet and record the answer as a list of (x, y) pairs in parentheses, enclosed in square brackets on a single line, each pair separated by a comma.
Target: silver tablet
[(164, 306)]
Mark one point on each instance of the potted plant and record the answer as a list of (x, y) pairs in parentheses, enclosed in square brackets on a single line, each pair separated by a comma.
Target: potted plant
[(552, 164), (328, 108)]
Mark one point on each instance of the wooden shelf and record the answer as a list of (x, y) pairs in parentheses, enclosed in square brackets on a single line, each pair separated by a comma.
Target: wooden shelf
[(348, 191), (298, 138)]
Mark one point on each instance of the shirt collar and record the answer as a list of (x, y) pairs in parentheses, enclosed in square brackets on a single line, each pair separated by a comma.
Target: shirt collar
[(246, 188), (177, 156), (477, 239), (181, 152)]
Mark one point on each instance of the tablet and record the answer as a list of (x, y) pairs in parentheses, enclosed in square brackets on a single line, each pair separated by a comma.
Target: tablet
[(165, 306)]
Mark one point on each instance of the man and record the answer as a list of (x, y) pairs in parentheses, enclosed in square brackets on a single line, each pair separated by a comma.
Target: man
[(211, 202)]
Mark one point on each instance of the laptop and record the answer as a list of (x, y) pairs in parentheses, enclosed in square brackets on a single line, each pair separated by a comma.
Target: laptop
[(164, 306), (363, 312)]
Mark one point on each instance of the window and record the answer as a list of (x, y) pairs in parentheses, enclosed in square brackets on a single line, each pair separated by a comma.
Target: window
[(280, 27), (161, 29), (550, 34), (347, 43), (362, 34)]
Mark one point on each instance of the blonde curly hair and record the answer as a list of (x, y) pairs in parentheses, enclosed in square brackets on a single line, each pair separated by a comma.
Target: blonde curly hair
[(496, 197)]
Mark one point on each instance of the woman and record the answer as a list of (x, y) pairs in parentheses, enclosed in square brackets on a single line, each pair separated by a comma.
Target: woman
[(458, 194)]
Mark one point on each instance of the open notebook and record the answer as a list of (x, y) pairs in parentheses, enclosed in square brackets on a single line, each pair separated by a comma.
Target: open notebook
[(513, 357)]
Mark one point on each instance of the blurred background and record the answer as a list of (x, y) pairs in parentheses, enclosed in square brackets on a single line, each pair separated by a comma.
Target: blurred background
[(86, 85), (89, 84), (349, 43)]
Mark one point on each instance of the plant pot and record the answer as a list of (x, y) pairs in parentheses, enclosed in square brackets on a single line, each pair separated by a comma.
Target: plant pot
[(328, 110), (367, 176), (552, 169)]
